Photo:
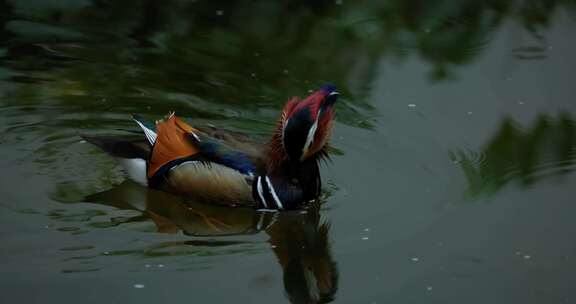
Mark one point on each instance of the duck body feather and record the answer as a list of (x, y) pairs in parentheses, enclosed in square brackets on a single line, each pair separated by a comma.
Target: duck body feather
[(186, 161)]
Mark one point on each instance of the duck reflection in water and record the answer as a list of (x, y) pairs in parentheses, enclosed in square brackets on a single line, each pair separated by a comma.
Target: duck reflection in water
[(299, 239), (301, 245)]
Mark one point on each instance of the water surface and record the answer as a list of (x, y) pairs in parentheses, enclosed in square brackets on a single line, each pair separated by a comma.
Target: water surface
[(454, 154)]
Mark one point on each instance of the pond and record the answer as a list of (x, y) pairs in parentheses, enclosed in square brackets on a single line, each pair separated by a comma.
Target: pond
[(452, 174)]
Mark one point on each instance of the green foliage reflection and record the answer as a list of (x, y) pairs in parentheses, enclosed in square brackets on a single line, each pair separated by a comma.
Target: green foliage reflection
[(544, 152)]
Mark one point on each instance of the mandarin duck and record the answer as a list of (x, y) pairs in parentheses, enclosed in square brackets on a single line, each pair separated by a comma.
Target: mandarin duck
[(216, 166)]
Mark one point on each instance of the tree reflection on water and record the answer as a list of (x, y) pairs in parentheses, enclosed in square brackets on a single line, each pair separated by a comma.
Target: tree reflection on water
[(248, 54), (69, 65), (543, 152)]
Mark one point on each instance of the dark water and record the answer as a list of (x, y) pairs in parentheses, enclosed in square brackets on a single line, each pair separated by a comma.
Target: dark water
[(453, 175)]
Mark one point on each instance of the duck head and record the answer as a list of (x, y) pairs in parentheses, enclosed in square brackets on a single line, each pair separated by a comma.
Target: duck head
[(292, 174), (305, 125)]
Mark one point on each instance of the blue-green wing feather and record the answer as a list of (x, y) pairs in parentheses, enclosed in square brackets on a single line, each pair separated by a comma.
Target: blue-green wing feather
[(219, 152)]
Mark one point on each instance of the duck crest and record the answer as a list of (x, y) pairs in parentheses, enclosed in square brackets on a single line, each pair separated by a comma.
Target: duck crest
[(277, 152)]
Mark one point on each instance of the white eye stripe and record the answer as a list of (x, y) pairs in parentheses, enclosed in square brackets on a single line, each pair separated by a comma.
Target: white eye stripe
[(311, 134), (273, 192)]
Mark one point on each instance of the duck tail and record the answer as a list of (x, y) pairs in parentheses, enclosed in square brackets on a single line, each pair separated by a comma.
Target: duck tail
[(130, 153)]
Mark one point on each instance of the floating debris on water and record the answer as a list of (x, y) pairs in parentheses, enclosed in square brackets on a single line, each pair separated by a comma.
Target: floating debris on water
[(429, 288), (520, 102), (339, 2), (147, 265), (367, 229), (415, 259), (527, 257), (160, 265), (82, 141), (469, 113), (411, 105), (139, 286), (219, 13), (365, 238)]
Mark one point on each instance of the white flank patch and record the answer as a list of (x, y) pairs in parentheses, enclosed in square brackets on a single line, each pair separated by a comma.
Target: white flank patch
[(135, 168), (273, 192), (310, 137), (259, 188), (150, 135)]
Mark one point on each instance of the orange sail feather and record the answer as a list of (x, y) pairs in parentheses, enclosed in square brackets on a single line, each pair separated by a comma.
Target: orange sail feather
[(171, 144)]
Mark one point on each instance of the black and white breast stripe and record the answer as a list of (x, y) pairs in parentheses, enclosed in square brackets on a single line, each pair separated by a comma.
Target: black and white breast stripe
[(265, 194)]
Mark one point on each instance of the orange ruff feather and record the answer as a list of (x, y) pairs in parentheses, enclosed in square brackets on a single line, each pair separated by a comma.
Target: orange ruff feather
[(171, 143)]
